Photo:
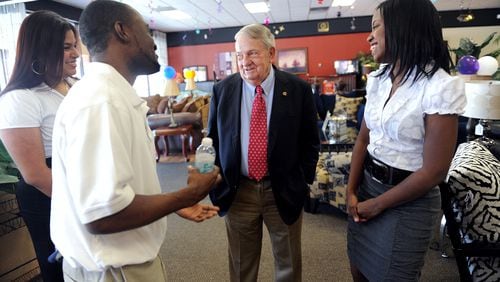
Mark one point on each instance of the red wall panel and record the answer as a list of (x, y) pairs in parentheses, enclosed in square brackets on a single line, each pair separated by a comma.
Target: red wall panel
[(321, 52)]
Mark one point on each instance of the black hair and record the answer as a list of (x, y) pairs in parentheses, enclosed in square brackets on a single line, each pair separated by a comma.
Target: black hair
[(97, 23), (413, 38), (39, 51)]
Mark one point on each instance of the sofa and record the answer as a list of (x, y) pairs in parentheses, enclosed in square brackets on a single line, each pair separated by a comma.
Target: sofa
[(187, 109)]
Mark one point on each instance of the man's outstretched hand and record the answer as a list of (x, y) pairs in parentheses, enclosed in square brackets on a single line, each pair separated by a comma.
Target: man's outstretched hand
[(198, 212)]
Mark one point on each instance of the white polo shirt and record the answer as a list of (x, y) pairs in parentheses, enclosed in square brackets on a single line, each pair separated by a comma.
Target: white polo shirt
[(103, 155), (397, 129)]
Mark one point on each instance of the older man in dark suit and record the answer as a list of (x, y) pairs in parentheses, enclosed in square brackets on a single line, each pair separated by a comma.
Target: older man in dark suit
[(263, 123)]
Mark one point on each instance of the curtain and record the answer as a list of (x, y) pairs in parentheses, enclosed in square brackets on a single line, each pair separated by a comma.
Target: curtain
[(11, 17)]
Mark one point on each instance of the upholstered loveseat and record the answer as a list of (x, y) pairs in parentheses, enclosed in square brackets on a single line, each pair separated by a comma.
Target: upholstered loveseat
[(187, 109)]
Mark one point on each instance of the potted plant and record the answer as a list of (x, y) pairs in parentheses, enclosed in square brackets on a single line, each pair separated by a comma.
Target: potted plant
[(8, 171), (467, 46), (366, 62)]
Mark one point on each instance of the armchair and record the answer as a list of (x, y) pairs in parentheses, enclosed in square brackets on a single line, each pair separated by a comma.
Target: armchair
[(471, 206)]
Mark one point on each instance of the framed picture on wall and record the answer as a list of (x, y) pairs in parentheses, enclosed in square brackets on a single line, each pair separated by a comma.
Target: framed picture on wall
[(292, 60), (201, 72), (226, 64)]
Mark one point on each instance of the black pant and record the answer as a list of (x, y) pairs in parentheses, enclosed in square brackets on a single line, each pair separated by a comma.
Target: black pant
[(34, 207)]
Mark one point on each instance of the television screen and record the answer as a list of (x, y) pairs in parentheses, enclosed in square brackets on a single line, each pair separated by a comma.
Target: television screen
[(346, 66)]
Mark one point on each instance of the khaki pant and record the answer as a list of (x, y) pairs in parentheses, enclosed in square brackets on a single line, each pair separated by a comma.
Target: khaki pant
[(254, 205), (152, 271)]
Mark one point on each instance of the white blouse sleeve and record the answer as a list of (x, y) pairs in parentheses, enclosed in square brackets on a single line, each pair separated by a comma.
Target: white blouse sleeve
[(20, 109), (444, 95)]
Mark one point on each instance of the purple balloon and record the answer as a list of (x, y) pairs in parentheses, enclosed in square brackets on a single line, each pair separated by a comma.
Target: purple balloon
[(468, 65)]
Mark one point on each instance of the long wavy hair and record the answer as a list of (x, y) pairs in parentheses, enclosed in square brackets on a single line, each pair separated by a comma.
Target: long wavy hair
[(413, 39), (40, 51)]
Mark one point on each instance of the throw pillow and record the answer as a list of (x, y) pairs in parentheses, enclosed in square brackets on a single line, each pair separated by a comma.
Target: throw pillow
[(348, 105), (194, 105), (163, 106), (177, 107)]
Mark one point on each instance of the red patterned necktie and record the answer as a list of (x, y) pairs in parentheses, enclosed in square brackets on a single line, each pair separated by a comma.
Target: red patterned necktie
[(257, 145)]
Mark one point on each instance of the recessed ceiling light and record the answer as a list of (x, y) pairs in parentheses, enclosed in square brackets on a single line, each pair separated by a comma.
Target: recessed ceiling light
[(337, 3), (257, 7), (175, 15)]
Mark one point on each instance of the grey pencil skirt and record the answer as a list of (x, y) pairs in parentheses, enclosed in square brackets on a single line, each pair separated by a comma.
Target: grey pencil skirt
[(392, 246)]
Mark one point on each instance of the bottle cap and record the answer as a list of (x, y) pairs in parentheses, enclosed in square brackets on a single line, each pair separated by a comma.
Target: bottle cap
[(207, 141)]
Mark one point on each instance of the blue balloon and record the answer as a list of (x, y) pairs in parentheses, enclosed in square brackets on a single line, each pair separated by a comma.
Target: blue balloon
[(468, 65), (169, 72)]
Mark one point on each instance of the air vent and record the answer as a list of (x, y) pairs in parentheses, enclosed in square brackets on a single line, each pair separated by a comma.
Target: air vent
[(319, 9)]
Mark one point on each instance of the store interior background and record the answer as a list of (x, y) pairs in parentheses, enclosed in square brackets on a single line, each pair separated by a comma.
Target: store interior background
[(198, 41)]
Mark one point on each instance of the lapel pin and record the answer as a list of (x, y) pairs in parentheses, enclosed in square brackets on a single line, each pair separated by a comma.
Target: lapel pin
[(284, 93)]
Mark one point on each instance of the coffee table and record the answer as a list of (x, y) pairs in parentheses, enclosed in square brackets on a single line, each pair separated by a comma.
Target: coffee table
[(184, 131)]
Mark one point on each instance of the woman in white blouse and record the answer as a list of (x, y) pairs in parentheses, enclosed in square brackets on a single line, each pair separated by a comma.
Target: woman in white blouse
[(405, 144), (46, 58)]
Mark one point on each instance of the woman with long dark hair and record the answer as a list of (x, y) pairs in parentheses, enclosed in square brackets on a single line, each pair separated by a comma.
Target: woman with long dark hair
[(46, 60), (405, 145)]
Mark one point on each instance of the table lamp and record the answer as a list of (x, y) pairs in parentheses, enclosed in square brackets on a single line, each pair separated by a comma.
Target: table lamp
[(190, 84), (483, 103), (171, 91)]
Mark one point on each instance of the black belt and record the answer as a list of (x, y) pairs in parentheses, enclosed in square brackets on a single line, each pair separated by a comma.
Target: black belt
[(265, 178), (384, 173)]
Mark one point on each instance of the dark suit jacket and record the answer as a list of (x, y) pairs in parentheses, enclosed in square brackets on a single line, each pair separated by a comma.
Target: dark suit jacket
[(293, 142)]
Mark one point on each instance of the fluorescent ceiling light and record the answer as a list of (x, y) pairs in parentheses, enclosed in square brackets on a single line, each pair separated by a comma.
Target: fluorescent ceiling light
[(5, 3), (175, 15), (257, 7), (337, 3)]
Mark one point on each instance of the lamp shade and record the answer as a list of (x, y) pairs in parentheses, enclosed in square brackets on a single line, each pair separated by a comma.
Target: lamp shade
[(171, 88), (190, 75), (190, 84), (483, 99)]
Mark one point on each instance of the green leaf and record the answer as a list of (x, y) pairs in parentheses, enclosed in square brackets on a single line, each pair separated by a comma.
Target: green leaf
[(487, 40), (8, 179), (4, 156), (7, 171)]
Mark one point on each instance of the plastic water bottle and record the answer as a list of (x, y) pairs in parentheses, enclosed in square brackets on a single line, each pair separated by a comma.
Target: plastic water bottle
[(205, 156)]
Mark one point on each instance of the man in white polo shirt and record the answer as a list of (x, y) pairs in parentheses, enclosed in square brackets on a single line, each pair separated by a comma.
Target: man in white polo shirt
[(108, 213)]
